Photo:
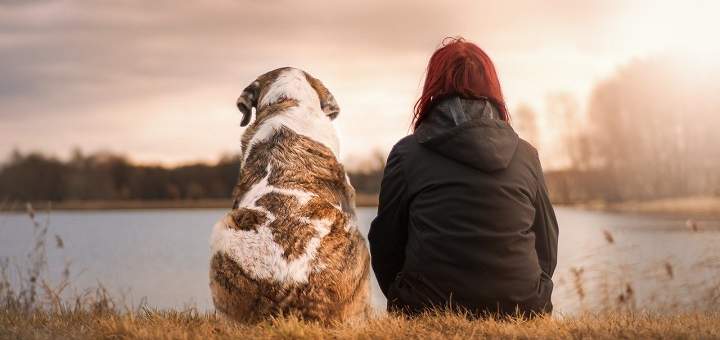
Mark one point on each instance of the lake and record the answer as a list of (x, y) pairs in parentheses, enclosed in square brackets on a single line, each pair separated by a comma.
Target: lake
[(162, 256)]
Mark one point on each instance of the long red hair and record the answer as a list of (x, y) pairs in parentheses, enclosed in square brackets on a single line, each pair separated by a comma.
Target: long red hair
[(459, 68)]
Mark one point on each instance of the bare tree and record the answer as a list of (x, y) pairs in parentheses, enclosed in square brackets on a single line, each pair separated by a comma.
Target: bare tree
[(564, 113), (525, 123), (655, 128)]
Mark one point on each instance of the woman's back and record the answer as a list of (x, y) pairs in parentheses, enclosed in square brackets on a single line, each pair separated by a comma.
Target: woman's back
[(464, 217), (466, 195)]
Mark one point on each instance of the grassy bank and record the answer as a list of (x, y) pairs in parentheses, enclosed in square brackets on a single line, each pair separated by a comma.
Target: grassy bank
[(703, 207), (191, 325)]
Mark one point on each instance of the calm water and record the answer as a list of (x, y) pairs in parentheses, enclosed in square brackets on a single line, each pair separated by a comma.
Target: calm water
[(162, 255)]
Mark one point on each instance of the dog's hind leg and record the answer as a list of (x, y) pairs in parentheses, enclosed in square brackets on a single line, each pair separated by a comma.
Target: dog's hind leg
[(234, 294)]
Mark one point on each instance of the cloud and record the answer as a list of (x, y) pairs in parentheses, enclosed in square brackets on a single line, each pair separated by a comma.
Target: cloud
[(118, 66)]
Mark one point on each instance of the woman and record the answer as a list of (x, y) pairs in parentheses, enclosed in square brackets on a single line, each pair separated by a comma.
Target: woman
[(464, 218)]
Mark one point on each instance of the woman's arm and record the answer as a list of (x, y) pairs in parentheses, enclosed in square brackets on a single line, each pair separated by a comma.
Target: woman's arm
[(545, 228), (388, 232)]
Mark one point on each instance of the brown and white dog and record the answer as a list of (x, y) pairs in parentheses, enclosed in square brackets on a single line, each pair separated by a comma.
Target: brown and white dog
[(290, 243)]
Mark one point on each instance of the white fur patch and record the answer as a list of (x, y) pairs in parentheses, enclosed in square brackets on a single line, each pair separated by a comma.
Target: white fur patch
[(256, 252), (306, 119), (291, 83), (260, 256), (263, 187)]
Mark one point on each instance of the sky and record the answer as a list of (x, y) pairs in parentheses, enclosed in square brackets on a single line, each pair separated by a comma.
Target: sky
[(158, 80)]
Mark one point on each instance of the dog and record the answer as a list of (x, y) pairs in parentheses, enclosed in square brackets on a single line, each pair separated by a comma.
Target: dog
[(290, 244)]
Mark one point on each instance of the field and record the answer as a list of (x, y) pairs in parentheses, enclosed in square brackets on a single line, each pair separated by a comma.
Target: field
[(188, 324)]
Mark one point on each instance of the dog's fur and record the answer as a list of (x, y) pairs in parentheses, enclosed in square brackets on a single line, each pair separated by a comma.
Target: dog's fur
[(290, 243)]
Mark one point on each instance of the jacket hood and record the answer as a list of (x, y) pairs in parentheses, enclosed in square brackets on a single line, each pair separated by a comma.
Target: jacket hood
[(469, 131)]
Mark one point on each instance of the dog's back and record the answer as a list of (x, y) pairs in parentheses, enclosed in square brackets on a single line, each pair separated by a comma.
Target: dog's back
[(290, 244)]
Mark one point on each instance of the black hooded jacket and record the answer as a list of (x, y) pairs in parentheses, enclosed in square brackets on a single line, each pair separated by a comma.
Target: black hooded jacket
[(464, 216)]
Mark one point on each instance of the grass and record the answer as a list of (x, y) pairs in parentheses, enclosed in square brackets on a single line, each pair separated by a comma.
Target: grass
[(192, 325), (33, 307)]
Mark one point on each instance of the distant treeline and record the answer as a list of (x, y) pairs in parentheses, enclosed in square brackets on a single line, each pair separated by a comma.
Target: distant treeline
[(105, 176), (651, 131)]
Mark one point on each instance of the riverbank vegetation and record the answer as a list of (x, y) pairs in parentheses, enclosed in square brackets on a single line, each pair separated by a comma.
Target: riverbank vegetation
[(189, 324), (689, 208), (110, 181)]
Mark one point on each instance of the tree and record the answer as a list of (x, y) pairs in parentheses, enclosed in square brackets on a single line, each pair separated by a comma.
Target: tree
[(524, 120), (564, 112), (654, 128)]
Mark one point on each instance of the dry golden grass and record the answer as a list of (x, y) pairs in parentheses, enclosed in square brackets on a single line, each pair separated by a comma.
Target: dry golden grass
[(191, 325)]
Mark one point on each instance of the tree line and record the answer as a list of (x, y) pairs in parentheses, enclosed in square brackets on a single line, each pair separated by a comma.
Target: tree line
[(649, 131), (107, 176)]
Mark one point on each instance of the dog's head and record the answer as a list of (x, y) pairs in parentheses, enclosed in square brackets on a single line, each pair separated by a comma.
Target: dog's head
[(284, 84)]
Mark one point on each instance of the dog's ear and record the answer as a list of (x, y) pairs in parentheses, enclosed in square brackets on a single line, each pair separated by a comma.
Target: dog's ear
[(327, 101), (247, 101)]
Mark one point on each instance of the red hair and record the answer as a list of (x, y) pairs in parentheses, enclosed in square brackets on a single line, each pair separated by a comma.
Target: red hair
[(459, 68)]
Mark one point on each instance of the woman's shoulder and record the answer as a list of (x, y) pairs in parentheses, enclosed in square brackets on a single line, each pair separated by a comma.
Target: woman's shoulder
[(404, 145), (527, 148), (530, 156)]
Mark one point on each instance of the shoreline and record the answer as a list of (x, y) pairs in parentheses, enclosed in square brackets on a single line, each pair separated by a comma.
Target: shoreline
[(210, 203), (702, 207), (692, 207)]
